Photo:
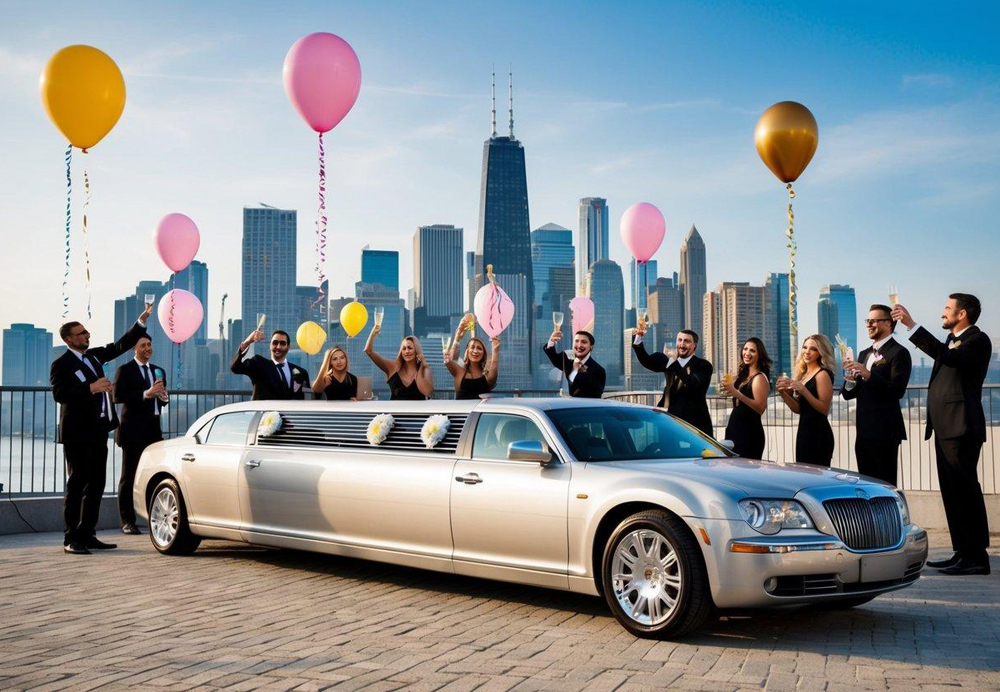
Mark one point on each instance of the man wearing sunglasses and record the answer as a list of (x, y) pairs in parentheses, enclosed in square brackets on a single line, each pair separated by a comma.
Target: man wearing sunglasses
[(86, 416), (878, 380), (274, 377)]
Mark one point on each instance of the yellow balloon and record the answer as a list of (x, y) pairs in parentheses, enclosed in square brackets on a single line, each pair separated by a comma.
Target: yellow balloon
[(310, 337), (353, 318), (786, 137), (84, 94)]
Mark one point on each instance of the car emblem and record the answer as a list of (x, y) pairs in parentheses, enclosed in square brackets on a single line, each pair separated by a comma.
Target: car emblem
[(847, 477), (861, 493)]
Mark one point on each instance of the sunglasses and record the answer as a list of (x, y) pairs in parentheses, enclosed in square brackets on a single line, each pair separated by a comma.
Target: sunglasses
[(872, 323), (279, 343), (83, 333)]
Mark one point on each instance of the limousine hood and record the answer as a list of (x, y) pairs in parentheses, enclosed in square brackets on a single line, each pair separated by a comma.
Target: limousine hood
[(762, 479)]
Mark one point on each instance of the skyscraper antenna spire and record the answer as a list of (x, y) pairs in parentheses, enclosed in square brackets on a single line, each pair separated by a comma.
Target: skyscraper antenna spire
[(494, 92), (510, 107)]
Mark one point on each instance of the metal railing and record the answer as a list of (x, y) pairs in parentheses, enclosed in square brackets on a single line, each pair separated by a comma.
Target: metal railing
[(31, 460)]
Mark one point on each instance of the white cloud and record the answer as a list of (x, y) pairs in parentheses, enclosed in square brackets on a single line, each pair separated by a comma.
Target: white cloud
[(930, 79)]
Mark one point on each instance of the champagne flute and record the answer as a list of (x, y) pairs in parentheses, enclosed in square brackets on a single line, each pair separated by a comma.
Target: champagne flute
[(379, 314), (893, 295), (149, 299), (445, 343), (557, 319)]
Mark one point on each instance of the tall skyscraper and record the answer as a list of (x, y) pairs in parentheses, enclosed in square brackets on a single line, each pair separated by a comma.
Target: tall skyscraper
[(27, 355), (470, 279), (504, 241), (778, 338), (194, 279), (643, 278), (592, 240), (380, 267), (733, 313), (437, 270), (694, 279), (711, 336), (838, 314), (666, 308), (551, 247), (606, 287), (269, 252)]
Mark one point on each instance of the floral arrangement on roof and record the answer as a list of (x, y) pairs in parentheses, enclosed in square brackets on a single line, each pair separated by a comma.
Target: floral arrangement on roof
[(434, 430), (379, 428), (269, 424)]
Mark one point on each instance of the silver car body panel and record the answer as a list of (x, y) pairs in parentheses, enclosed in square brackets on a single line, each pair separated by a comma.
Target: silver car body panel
[(518, 521)]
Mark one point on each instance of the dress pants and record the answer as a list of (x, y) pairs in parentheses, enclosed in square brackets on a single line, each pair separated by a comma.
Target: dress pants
[(877, 458), (86, 470), (130, 462), (957, 459)]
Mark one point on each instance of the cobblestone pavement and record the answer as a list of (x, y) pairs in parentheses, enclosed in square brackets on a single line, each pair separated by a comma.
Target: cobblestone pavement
[(239, 618)]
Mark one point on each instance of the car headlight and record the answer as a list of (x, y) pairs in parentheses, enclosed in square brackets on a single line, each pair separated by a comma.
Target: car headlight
[(904, 508), (771, 516)]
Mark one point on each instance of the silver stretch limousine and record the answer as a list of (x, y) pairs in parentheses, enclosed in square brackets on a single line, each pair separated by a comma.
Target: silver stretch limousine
[(592, 496)]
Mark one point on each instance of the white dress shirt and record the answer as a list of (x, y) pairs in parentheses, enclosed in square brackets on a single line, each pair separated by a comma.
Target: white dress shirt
[(285, 370)]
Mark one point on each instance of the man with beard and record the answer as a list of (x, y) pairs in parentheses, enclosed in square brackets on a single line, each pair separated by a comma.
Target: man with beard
[(274, 377), (687, 378), (586, 376), (955, 416)]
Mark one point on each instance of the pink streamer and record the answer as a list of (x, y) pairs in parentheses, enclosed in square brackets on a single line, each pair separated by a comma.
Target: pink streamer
[(321, 225)]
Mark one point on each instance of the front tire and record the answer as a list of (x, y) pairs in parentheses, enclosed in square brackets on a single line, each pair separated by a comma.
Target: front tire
[(168, 525), (654, 576)]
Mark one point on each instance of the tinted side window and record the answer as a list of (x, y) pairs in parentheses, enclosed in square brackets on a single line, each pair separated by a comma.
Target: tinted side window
[(495, 432), (230, 428)]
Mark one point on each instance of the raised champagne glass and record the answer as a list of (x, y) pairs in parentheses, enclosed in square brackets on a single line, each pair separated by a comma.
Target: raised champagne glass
[(557, 319), (379, 314), (445, 343), (149, 299), (893, 295)]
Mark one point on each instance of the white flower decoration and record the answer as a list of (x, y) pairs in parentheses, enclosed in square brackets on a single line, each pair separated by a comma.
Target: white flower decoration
[(434, 430), (379, 428), (269, 424)]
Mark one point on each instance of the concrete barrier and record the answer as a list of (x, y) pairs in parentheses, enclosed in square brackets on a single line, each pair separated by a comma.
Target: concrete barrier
[(45, 513)]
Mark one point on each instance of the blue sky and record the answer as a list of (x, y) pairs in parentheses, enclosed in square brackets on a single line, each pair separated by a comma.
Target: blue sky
[(631, 101)]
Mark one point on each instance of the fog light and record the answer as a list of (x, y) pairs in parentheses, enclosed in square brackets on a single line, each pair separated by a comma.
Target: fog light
[(771, 584)]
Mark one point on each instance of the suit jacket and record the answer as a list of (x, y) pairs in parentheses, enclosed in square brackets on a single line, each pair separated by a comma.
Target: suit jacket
[(267, 383), (589, 383), (685, 389), (955, 394), (139, 423), (879, 416), (80, 411)]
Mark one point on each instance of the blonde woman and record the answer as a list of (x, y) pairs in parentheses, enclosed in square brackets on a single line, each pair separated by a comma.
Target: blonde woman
[(409, 375), (810, 394), (333, 380), (474, 376)]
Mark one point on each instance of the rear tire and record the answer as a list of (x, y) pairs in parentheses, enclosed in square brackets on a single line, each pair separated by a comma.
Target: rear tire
[(168, 524), (655, 580)]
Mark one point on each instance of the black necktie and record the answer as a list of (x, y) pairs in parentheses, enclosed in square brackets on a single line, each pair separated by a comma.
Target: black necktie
[(951, 337), (145, 375), (281, 374)]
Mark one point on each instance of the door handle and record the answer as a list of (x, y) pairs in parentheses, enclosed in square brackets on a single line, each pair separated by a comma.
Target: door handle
[(188, 457), (252, 463), (469, 479)]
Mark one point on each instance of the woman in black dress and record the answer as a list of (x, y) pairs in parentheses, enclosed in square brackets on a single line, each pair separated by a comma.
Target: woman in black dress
[(749, 391), (408, 376), (810, 394), (474, 376), (334, 381)]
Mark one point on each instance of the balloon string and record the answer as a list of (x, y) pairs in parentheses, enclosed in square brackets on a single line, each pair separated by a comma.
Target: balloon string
[(793, 250), (86, 240), (69, 220), (170, 315), (321, 225)]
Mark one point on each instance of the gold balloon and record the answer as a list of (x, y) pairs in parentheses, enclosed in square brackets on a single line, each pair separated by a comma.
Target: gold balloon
[(84, 94), (786, 137), (310, 337)]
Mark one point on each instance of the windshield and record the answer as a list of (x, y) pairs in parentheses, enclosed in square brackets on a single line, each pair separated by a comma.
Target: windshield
[(622, 434)]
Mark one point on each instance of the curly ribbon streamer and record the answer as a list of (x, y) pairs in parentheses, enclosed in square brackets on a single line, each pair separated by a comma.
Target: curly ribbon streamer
[(321, 226), (793, 250), (496, 297), (69, 220), (86, 241)]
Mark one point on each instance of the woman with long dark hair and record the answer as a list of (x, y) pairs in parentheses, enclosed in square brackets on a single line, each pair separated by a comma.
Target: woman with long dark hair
[(333, 380), (749, 390), (810, 394), (408, 375), (474, 376)]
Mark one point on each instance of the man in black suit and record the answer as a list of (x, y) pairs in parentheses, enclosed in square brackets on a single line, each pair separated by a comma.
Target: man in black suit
[(86, 416), (878, 380), (141, 389), (585, 375), (273, 378), (687, 378), (955, 415)]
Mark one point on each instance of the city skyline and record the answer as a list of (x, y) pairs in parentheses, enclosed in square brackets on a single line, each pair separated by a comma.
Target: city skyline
[(907, 149)]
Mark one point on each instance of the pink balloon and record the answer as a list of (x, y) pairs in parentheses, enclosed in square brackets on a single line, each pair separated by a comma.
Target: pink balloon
[(177, 240), (494, 309), (180, 314), (642, 229), (583, 313), (322, 79)]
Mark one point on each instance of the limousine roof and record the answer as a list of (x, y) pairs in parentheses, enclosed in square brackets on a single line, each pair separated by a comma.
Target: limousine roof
[(430, 406)]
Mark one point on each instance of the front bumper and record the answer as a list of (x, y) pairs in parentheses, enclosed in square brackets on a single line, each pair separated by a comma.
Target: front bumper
[(754, 571)]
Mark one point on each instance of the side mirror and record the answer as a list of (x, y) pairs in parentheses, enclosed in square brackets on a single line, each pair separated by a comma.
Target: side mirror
[(529, 450), (728, 444)]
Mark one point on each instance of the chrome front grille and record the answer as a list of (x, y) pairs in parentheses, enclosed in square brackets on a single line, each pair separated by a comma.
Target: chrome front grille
[(866, 524)]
